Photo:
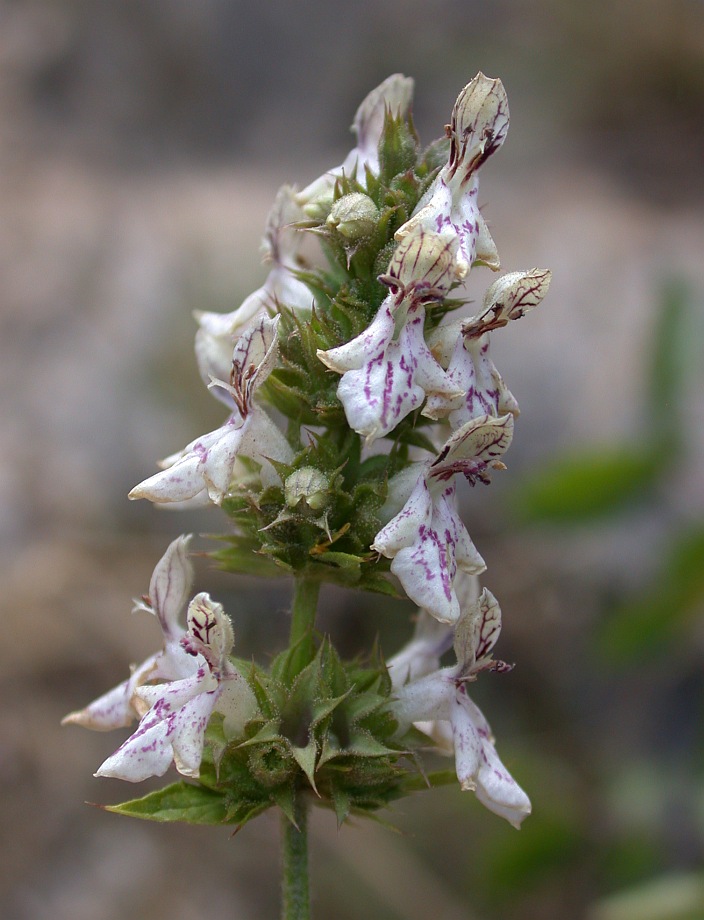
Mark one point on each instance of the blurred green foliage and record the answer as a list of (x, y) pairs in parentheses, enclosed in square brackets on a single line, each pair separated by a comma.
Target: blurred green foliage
[(640, 635)]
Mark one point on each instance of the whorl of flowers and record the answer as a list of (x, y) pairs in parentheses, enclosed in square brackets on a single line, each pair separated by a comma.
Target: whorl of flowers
[(359, 401)]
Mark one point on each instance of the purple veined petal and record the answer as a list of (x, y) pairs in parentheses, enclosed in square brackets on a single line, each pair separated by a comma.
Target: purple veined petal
[(189, 735), (209, 632), (477, 632), (148, 752), (253, 359), (402, 530), (429, 375), (428, 566), (282, 239), (371, 343), (383, 392), (431, 212), (200, 444), (485, 392), (424, 263), (170, 585), (474, 448), (163, 699), (217, 335), (426, 571), (255, 352), (175, 724), (479, 124), (447, 521), (496, 789), (510, 297)]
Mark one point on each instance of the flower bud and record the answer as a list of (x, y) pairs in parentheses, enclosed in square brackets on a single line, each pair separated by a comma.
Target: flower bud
[(309, 485), (354, 216)]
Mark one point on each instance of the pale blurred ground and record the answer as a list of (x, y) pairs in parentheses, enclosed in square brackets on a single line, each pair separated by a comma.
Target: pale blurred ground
[(140, 149)]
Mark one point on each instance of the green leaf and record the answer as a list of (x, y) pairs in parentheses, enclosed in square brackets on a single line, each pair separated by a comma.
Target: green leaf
[(185, 802), (285, 798), (588, 485), (305, 758), (342, 803)]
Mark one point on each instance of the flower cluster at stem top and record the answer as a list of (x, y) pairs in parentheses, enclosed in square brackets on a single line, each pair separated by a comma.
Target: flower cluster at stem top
[(357, 402)]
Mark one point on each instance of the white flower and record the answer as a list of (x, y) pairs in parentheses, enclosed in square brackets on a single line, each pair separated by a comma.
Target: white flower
[(478, 128), (219, 331), (173, 728), (168, 592), (205, 467), (388, 369), (464, 349), (439, 705), (393, 95), (426, 539)]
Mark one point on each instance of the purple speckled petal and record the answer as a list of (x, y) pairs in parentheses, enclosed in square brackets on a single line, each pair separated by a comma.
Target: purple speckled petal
[(189, 736), (402, 530), (175, 722), (467, 744), (496, 788), (365, 347)]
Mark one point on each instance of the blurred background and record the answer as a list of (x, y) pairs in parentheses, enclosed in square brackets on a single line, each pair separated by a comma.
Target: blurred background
[(141, 145)]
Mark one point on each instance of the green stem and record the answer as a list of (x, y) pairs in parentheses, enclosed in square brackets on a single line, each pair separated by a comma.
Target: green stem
[(295, 904), (305, 602)]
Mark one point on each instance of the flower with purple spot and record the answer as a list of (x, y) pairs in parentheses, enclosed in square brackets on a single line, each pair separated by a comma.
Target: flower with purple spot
[(478, 128), (168, 593), (438, 704), (219, 332), (427, 539), (388, 369), (177, 712), (463, 348), (205, 469)]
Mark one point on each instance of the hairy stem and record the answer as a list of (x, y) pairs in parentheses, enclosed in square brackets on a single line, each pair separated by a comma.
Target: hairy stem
[(305, 602), (295, 903)]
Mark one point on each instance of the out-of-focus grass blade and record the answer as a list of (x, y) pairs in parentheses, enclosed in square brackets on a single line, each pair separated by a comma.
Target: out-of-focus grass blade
[(673, 897), (588, 485), (641, 627), (669, 359)]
